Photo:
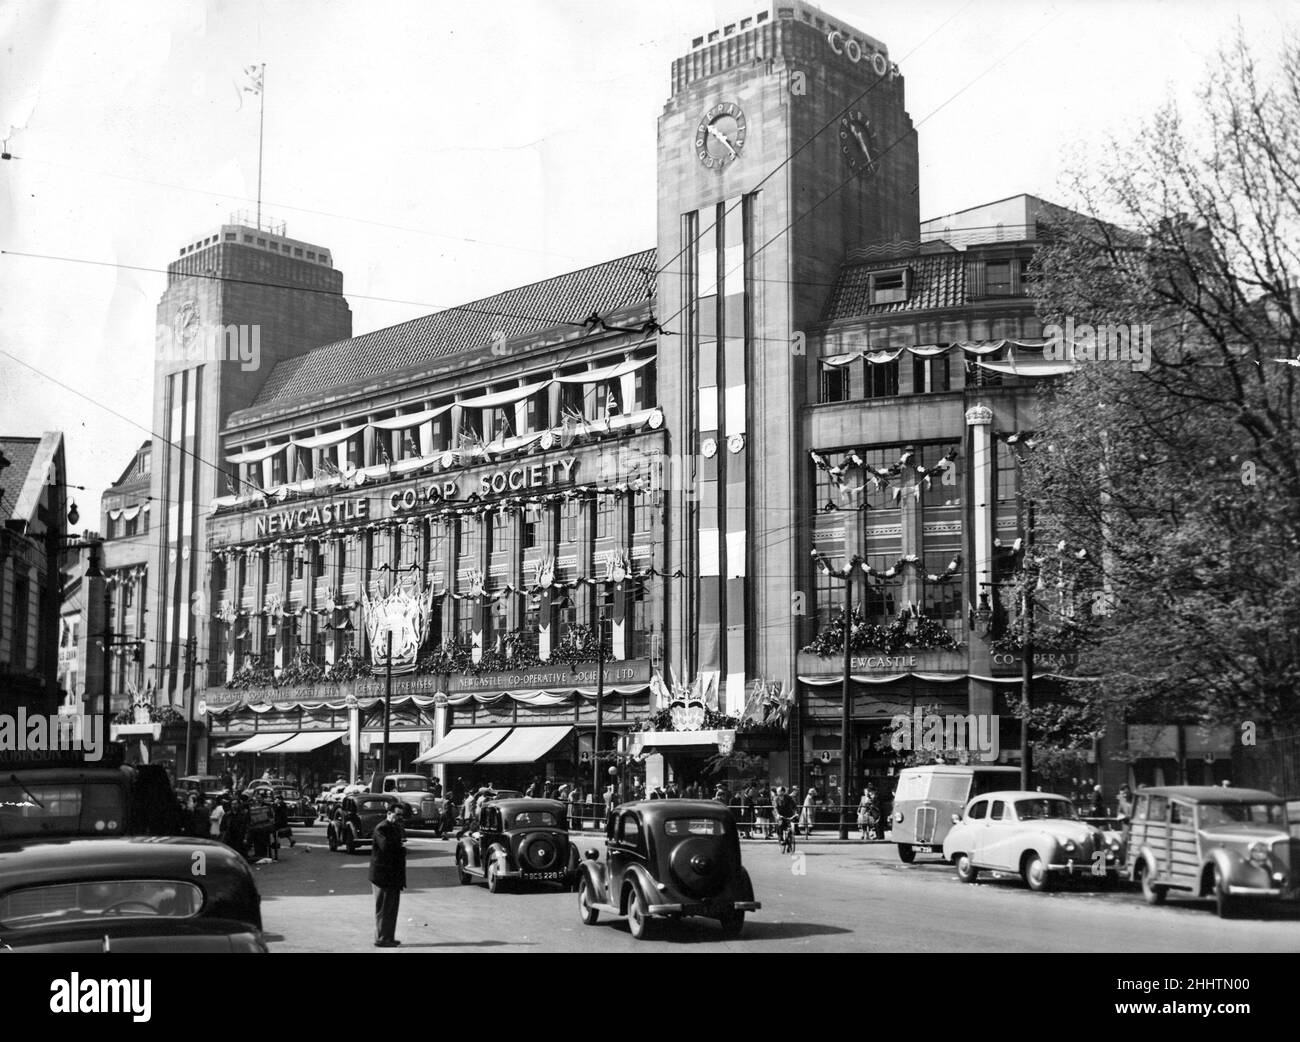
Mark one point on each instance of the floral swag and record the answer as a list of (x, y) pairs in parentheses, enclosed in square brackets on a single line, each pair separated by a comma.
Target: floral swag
[(908, 631)]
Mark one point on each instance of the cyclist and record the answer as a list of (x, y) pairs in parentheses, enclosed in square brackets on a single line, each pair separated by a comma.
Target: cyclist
[(786, 810)]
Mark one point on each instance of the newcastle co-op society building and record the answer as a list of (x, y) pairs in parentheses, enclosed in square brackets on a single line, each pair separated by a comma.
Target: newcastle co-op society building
[(654, 445)]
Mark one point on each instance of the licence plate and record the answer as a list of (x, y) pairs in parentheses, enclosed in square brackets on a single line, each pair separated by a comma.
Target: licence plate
[(544, 875)]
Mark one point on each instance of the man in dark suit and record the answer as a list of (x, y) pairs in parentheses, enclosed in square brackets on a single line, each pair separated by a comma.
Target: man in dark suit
[(388, 875)]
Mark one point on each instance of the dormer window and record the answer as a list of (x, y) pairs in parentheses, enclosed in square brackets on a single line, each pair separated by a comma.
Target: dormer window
[(891, 287), (997, 278)]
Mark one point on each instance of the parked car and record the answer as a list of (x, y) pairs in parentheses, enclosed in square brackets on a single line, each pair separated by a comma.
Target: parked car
[(927, 797), (354, 822), (668, 859), (331, 796), (1234, 845), (300, 808), (423, 809), (127, 895), (524, 840), (206, 785), (1037, 835)]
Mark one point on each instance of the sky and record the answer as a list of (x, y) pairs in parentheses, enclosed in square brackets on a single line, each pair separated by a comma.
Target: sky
[(443, 152)]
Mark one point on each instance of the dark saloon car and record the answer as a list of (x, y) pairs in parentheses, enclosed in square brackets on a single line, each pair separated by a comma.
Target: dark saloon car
[(300, 808), (354, 822), (147, 894), (524, 840), (668, 859)]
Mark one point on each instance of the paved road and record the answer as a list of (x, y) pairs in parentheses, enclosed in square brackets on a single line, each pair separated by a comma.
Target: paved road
[(833, 898)]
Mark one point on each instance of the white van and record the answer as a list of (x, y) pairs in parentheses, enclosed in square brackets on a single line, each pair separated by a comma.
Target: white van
[(927, 797)]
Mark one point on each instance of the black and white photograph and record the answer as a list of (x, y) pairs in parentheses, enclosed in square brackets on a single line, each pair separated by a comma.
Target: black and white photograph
[(576, 477)]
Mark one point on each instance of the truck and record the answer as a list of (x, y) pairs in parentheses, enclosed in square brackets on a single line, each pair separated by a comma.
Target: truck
[(423, 810)]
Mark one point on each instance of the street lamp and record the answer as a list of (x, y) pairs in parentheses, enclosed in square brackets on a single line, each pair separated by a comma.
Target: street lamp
[(847, 576)]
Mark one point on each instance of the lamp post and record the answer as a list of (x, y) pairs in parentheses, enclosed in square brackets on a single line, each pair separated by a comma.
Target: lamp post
[(845, 693)]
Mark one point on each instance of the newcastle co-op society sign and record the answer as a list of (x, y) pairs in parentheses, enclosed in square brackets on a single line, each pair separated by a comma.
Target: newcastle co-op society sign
[(555, 677)]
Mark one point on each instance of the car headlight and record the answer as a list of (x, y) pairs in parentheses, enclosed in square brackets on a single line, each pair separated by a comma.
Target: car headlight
[(1259, 852), (1114, 844), (1068, 846)]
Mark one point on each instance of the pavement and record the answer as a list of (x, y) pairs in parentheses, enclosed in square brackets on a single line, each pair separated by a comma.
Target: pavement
[(831, 895)]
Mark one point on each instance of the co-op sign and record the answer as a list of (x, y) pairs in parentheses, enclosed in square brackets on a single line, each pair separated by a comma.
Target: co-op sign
[(855, 52)]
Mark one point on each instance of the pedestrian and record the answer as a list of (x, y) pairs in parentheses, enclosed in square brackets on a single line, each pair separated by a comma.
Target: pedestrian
[(868, 812), (763, 811), (227, 780), (806, 818), (200, 817), (282, 827), (575, 807), (1124, 803), (720, 794), (388, 875), (1098, 808), (215, 829), (672, 792)]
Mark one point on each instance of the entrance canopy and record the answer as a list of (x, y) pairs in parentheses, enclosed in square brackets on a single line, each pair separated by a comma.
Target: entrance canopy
[(527, 744), (642, 740), (464, 745), (308, 741)]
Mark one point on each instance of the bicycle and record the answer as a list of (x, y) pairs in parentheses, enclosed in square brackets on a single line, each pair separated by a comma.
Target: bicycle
[(786, 833)]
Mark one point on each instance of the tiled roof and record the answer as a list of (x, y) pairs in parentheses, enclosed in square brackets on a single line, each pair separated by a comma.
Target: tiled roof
[(938, 281), (611, 286), (21, 453)]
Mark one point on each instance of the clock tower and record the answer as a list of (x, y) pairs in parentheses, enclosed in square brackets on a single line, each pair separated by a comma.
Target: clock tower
[(238, 300), (785, 143)]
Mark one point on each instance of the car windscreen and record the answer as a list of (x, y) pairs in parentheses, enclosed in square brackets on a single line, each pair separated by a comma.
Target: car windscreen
[(693, 827), (288, 794), (66, 903), (1241, 813), (373, 806), (536, 817), (1039, 810), (35, 808), (412, 785)]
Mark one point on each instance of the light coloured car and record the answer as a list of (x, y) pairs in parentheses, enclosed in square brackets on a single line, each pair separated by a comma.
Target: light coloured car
[(1037, 835)]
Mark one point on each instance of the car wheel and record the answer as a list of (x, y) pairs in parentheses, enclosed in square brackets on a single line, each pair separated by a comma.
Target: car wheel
[(1037, 878), (638, 915), (733, 923), (1224, 903), (464, 877), (586, 902), (966, 871), (331, 838), (1151, 893), (494, 881), (350, 840), (906, 853)]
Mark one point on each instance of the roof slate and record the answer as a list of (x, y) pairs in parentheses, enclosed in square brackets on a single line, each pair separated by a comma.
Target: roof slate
[(611, 286), (938, 281), (21, 453)]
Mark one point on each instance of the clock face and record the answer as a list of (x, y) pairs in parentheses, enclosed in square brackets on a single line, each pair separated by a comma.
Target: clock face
[(185, 326), (858, 143), (720, 137)]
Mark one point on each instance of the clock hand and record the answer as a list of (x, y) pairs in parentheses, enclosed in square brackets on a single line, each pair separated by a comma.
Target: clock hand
[(723, 138), (857, 133)]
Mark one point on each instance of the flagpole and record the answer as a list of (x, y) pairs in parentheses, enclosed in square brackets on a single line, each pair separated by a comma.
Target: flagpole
[(261, 123)]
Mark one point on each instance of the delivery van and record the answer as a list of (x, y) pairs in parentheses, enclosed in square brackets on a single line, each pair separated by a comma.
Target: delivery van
[(927, 798)]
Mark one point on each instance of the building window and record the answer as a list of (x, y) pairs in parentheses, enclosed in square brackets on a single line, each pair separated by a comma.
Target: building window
[(538, 413), (643, 516), (645, 390), (1007, 472), (943, 601), (603, 606), (572, 400), (569, 520), (640, 636), (835, 383), (566, 613), (604, 517), (890, 287), (930, 375), (997, 278), (882, 380), (533, 521)]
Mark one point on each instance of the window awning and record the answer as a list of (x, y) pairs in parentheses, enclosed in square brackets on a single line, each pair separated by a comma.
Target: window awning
[(1029, 367), (508, 397), (609, 372), (307, 741), (257, 455), (527, 744), (464, 745), (259, 743), (324, 441), (411, 419)]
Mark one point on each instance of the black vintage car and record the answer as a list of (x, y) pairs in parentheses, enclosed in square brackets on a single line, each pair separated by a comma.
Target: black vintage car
[(176, 894), (668, 859), (518, 839), (300, 808), (354, 822)]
